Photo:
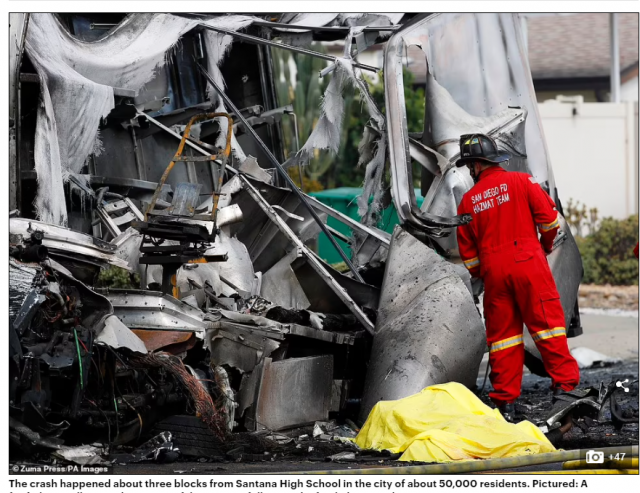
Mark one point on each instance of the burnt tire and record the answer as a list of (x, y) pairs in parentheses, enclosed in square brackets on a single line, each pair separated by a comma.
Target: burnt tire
[(191, 436)]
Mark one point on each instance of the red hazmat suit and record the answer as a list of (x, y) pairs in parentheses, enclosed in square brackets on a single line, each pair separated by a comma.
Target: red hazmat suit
[(501, 246)]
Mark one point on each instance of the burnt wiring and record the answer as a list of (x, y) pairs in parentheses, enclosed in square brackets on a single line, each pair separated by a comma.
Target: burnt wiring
[(75, 333), (113, 399), (106, 418), (204, 405), (133, 409)]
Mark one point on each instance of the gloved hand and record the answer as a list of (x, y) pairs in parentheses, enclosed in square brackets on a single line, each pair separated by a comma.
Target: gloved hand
[(477, 285), (546, 240)]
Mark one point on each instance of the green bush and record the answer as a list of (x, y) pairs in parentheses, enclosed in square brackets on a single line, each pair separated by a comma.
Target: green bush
[(607, 253), (117, 278)]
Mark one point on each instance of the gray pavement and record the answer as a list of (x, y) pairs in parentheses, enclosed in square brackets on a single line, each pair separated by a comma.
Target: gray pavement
[(615, 336)]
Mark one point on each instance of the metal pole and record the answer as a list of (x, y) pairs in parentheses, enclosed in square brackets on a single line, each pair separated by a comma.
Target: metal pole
[(139, 166), (615, 59), (18, 112), (303, 51), (279, 25), (266, 100), (274, 97), (295, 129), (340, 29), (525, 33), (282, 171)]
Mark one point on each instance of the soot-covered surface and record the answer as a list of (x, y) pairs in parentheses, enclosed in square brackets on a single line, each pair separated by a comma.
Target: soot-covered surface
[(535, 403)]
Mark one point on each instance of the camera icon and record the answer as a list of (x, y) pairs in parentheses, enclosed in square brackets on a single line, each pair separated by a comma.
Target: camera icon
[(594, 457)]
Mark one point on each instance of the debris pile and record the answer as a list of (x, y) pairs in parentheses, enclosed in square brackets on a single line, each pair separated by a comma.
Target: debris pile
[(95, 364), (604, 412), (166, 297), (138, 306)]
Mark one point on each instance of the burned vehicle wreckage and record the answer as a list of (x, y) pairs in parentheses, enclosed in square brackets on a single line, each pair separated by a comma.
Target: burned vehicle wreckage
[(152, 143)]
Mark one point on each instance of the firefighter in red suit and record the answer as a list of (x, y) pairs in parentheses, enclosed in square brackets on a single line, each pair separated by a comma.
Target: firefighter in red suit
[(501, 246)]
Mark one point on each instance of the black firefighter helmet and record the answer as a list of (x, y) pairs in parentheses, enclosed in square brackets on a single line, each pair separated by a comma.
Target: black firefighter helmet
[(479, 147)]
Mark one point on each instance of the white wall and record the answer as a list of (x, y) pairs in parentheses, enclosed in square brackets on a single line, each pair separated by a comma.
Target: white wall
[(629, 90), (594, 154)]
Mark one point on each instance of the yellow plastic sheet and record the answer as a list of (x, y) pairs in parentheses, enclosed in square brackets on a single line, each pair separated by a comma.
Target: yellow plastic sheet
[(445, 423)]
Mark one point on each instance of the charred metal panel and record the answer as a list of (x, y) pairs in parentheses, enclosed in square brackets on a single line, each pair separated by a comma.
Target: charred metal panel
[(186, 197), (243, 70), (117, 335), (159, 339), (176, 86), (281, 286), (155, 311), (21, 281), (247, 395), (294, 392), (265, 242), (445, 194), (428, 330), (158, 150), (95, 307), (239, 349), (236, 271), (323, 299), (29, 307), (117, 157), (66, 243)]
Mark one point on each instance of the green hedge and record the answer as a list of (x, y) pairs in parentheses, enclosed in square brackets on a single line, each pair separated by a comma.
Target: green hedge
[(607, 254), (117, 278)]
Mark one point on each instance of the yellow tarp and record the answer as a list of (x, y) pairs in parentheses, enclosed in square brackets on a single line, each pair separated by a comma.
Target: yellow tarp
[(445, 423)]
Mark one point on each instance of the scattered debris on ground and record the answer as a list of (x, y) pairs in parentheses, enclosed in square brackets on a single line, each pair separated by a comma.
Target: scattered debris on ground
[(588, 358), (536, 401)]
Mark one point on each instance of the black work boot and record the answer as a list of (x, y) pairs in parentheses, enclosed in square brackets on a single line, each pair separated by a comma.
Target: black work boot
[(508, 412)]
